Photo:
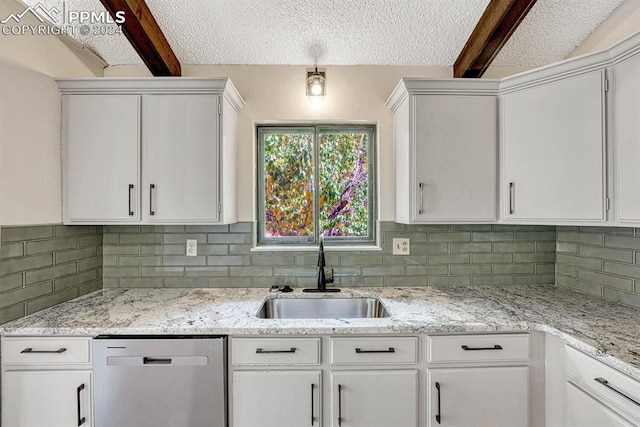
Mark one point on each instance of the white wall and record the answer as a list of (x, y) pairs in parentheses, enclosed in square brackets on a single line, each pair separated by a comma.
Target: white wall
[(621, 24), (52, 55), (30, 170), (276, 94), (29, 147)]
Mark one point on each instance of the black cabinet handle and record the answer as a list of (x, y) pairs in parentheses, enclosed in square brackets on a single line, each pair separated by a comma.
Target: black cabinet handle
[(131, 213), (339, 405), (312, 418), (495, 347), (512, 190), (438, 417), (421, 187), (261, 351), (152, 189), (81, 419), (32, 351), (389, 350), (609, 386)]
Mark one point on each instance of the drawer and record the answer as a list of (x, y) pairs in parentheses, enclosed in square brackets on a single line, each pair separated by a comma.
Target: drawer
[(275, 351), (45, 350), (478, 348), (374, 350), (603, 381)]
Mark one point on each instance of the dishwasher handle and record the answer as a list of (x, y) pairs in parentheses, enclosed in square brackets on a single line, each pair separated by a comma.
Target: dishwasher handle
[(156, 360)]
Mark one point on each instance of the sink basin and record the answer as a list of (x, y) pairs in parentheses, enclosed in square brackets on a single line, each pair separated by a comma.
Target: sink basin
[(322, 308)]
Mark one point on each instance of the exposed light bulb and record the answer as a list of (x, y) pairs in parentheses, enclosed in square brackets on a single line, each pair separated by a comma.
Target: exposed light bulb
[(316, 88)]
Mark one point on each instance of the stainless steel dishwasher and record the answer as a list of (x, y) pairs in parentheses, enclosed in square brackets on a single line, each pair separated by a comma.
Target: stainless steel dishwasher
[(160, 381)]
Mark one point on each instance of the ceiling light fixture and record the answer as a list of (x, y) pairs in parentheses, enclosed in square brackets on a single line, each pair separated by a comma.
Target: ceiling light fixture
[(316, 86)]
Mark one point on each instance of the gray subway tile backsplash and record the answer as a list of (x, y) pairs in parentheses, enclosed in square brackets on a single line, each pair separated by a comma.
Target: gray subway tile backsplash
[(600, 261), (441, 254), (45, 265), (41, 266)]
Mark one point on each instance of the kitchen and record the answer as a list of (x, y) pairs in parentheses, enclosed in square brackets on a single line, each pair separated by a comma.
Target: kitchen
[(45, 263)]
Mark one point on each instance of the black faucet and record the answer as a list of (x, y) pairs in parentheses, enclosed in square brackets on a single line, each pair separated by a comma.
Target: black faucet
[(322, 278)]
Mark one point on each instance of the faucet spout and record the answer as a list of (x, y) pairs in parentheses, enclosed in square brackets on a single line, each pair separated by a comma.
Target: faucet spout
[(322, 277)]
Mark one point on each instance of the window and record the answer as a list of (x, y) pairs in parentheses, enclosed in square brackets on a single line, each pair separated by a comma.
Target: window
[(316, 181)]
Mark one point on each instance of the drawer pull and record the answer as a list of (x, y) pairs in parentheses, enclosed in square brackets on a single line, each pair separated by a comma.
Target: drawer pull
[(389, 350), (261, 351), (609, 386), (495, 347), (32, 351)]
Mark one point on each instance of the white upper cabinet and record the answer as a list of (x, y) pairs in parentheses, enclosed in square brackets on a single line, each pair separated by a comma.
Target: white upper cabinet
[(553, 151), (150, 151), (445, 151), (180, 158), (555, 164), (626, 137), (101, 152)]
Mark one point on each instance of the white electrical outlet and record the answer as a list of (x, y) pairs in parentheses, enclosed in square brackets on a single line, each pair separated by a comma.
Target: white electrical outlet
[(192, 247), (401, 246)]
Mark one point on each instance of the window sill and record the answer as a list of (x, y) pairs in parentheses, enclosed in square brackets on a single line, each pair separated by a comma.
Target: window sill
[(314, 248)]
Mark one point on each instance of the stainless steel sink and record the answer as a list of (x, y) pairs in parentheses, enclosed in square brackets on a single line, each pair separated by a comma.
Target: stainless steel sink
[(322, 308)]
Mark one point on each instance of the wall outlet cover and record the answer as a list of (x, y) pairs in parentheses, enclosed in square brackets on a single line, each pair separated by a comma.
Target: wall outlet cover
[(401, 246), (192, 247)]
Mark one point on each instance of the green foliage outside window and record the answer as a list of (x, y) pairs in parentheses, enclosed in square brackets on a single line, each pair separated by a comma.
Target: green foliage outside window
[(292, 207)]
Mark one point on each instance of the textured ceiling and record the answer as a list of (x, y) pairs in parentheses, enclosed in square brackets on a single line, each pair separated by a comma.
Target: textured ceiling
[(346, 32)]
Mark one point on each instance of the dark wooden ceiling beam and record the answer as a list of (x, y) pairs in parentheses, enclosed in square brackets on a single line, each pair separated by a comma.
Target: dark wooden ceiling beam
[(146, 37), (498, 22)]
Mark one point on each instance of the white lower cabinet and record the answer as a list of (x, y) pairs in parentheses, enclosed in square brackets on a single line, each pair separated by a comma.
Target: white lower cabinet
[(47, 398), (370, 381), (478, 397), (277, 398), (597, 395), (374, 398), (46, 381), (582, 410)]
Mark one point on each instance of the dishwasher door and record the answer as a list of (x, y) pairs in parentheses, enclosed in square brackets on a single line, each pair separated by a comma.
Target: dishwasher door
[(160, 381)]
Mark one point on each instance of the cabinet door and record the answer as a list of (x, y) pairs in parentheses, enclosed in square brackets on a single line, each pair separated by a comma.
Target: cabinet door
[(374, 398), (455, 158), (584, 411), (554, 151), (478, 397), (101, 155), (626, 129), (276, 398), (180, 158), (46, 398)]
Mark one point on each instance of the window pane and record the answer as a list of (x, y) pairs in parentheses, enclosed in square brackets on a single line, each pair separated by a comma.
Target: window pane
[(288, 183), (344, 183)]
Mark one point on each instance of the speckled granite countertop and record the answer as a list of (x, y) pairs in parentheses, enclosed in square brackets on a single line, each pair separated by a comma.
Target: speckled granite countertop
[(610, 332)]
